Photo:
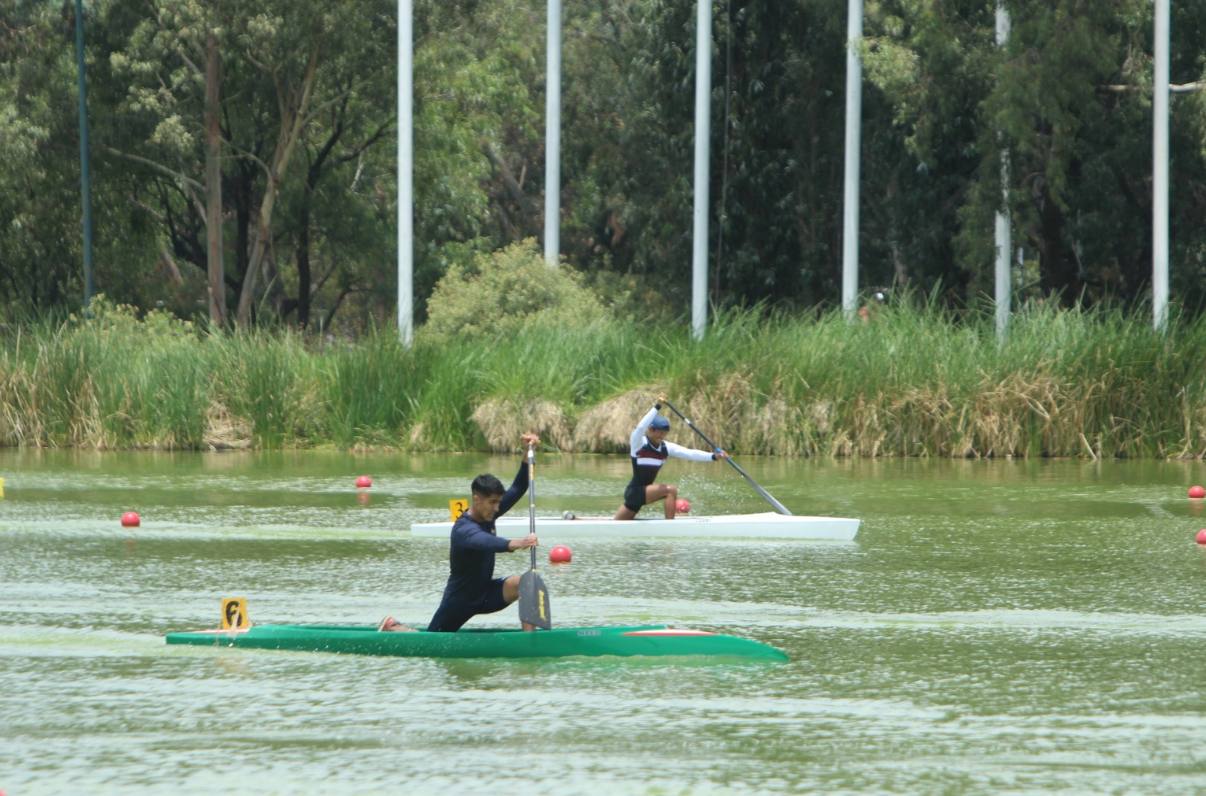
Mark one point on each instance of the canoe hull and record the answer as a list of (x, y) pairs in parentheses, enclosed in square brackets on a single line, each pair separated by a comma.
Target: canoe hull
[(645, 640), (767, 525)]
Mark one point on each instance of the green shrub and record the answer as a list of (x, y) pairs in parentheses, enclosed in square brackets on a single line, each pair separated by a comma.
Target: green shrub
[(503, 292)]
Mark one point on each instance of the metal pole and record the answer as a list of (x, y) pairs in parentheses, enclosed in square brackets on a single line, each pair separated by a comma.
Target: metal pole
[(552, 136), (406, 201), (703, 133), (1160, 171), (1004, 237), (85, 165), (854, 117)]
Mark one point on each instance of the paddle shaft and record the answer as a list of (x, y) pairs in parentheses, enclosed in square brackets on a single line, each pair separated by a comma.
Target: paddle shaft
[(533, 596), (532, 498), (779, 507)]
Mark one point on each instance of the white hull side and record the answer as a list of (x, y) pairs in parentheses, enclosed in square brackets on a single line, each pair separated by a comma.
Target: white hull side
[(768, 525)]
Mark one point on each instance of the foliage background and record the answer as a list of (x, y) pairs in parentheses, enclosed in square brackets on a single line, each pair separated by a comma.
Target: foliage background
[(1069, 96)]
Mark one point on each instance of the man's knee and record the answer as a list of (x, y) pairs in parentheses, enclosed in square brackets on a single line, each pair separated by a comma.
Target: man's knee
[(510, 589)]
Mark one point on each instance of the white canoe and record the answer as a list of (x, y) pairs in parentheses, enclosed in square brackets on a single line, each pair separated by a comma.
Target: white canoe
[(768, 525)]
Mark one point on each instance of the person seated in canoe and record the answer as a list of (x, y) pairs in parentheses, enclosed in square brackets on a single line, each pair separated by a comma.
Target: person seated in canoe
[(649, 451), (472, 588)]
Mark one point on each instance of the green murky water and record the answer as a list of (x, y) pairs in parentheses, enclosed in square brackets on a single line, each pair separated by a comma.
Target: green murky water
[(998, 627)]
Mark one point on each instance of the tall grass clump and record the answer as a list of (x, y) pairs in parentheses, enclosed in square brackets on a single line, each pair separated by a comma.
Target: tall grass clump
[(917, 379), (914, 379), (107, 380), (370, 389)]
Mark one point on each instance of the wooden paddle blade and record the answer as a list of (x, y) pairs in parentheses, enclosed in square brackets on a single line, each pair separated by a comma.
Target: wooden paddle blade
[(534, 601)]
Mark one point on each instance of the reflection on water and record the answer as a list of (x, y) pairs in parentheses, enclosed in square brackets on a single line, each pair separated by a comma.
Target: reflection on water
[(998, 627)]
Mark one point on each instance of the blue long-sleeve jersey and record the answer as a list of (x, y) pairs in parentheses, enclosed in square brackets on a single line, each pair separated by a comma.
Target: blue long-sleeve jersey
[(473, 546)]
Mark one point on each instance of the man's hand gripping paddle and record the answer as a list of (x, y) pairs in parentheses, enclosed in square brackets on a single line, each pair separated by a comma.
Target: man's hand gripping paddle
[(533, 596)]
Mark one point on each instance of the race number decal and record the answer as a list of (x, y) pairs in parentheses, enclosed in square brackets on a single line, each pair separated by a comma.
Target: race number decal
[(457, 508), (234, 613)]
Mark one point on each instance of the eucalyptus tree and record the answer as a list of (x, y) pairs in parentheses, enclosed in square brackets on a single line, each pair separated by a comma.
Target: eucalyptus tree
[(1069, 97), (293, 76), (776, 148), (40, 226), (478, 154), (33, 184), (1080, 156), (930, 68)]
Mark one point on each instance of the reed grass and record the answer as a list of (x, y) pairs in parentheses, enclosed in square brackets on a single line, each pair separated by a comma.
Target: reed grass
[(915, 380)]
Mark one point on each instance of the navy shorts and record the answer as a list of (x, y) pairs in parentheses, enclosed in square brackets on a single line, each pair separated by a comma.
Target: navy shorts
[(449, 617), (634, 497)]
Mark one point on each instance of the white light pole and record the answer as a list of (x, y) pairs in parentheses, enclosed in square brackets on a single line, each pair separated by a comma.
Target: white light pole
[(1160, 170), (854, 118), (1004, 235), (552, 137), (703, 131), (406, 148)]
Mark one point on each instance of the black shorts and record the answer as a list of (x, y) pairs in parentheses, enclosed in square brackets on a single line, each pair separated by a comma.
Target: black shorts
[(449, 617), (634, 497)]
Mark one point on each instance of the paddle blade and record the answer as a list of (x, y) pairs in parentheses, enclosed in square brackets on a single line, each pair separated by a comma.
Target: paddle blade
[(534, 601)]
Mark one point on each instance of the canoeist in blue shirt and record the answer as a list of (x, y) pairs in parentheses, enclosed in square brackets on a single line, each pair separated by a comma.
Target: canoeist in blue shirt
[(649, 451), (472, 588)]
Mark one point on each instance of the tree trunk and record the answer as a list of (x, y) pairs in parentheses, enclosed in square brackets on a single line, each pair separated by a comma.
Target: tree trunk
[(242, 191), (213, 188), (532, 217), (292, 118), (303, 265)]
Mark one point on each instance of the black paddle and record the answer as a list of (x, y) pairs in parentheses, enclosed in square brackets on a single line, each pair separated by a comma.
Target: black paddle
[(533, 596), (779, 507)]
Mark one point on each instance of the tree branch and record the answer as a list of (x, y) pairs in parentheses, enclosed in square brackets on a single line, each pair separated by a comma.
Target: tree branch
[(335, 307), (158, 166), (239, 152), (322, 280), (1173, 88), (513, 187), (340, 96), (372, 139)]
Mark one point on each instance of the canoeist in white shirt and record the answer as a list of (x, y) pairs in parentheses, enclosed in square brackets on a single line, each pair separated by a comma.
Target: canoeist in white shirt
[(649, 452)]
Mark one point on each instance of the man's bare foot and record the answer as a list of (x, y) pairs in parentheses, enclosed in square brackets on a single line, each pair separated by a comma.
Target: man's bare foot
[(391, 625)]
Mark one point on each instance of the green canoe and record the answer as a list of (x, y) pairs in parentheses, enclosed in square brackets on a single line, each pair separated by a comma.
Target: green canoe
[(647, 640)]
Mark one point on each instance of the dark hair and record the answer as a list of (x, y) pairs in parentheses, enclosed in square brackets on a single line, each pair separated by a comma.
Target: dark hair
[(487, 485)]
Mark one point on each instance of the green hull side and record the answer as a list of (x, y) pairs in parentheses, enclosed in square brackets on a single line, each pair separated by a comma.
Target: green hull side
[(561, 642)]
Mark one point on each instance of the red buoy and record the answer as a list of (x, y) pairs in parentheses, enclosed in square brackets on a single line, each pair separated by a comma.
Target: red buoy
[(130, 520), (681, 506), (1202, 536), (364, 482), (560, 555), (1197, 492)]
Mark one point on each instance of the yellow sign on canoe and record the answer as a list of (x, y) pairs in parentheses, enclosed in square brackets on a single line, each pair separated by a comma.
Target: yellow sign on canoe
[(457, 508), (234, 613)]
